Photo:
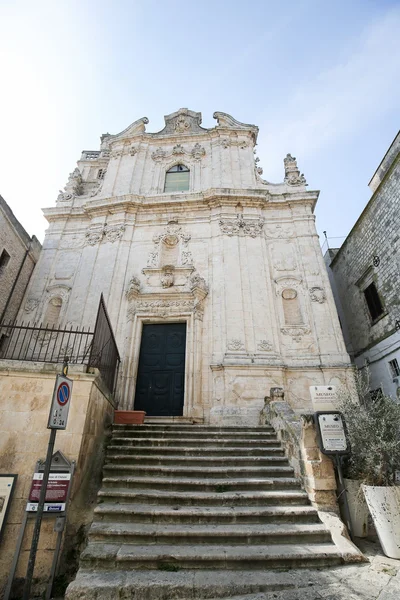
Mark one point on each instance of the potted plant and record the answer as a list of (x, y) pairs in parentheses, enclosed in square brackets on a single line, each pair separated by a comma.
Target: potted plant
[(129, 417), (373, 423)]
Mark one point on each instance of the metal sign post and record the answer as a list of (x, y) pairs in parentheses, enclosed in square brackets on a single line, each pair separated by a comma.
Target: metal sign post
[(58, 418), (60, 469), (332, 440)]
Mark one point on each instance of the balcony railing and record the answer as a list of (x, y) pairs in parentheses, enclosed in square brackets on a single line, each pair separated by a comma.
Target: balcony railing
[(41, 343)]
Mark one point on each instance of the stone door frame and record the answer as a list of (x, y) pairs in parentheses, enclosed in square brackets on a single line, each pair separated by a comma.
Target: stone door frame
[(192, 392)]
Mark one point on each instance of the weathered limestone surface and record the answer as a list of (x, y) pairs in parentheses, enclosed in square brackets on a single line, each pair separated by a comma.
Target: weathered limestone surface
[(23, 252), (235, 257), (25, 394), (370, 254)]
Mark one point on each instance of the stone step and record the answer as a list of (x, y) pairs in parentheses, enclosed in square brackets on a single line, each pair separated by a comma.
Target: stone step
[(225, 514), (201, 435), (194, 442), (168, 583), (260, 472), (191, 428), (128, 446), (205, 485), (165, 499), (123, 454), (207, 556), (233, 534)]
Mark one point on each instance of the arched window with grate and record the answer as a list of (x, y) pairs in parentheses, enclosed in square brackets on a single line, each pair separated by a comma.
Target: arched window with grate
[(177, 179)]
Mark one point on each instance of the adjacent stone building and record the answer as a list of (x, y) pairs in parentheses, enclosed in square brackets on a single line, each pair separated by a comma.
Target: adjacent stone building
[(366, 279), (19, 254), (213, 277)]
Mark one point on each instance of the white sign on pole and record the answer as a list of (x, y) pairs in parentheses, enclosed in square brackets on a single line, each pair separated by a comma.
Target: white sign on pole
[(323, 397), (60, 403), (333, 435)]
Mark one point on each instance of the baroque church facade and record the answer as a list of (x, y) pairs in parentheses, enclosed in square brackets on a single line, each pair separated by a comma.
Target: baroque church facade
[(213, 277)]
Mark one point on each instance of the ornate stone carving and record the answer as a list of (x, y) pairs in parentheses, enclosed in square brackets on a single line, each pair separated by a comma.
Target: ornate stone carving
[(226, 142), (199, 282), (31, 305), (235, 345), (158, 154), (107, 233), (167, 277), (94, 235), (241, 226), (133, 286), (197, 152), (64, 197), (264, 346), (116, 153), (133, 150), (160, 308), (172, 234), (187, 258), (74, 187), (296, 333), (292, 173), (317, 294), (152, 260), (284, 230), (112, 233), (178, 150), (182, 125)]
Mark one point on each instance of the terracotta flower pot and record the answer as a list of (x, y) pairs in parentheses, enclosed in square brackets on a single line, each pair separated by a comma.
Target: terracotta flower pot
[(129, 417)]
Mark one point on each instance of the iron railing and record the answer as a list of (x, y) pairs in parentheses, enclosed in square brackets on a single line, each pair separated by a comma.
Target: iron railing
[(41, 343), (104, 353)]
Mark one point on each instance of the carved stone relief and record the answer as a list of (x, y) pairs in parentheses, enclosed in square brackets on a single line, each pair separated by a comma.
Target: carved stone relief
[(292, 173), (112, 233), (104, 233), (133, 286), (241, 226), (31, 305), (235, 345), (196, 153), (284, 230), (317, 294), (74, 187), (94, 235), (167, 277), (167, 246), (264, 346)]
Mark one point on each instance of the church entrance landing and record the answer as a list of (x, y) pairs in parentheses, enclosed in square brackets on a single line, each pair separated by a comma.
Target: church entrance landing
[(161, 371)]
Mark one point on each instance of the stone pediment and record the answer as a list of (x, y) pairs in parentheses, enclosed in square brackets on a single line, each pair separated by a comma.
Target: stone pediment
[(226, 121), (136, 128), (180, 122)]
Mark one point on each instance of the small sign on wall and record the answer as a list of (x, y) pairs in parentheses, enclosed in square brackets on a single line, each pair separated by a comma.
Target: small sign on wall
[(323, 397), (332, 433), (56, 492)]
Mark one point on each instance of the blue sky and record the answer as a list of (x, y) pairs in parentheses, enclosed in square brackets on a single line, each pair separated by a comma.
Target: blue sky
[(320, 79)]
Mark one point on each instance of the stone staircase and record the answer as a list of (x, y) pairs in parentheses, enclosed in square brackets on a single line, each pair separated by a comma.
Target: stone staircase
[(191, 511)]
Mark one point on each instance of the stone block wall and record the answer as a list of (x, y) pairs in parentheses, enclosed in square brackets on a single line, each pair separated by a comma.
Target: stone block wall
[(376, 233), (25, 395), (16, 242)]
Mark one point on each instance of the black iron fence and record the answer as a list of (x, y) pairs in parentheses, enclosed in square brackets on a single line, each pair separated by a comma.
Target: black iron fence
[(41, 343), (104, 353)]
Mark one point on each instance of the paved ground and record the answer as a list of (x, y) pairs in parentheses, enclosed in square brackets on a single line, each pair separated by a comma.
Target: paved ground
[(379, 579)]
